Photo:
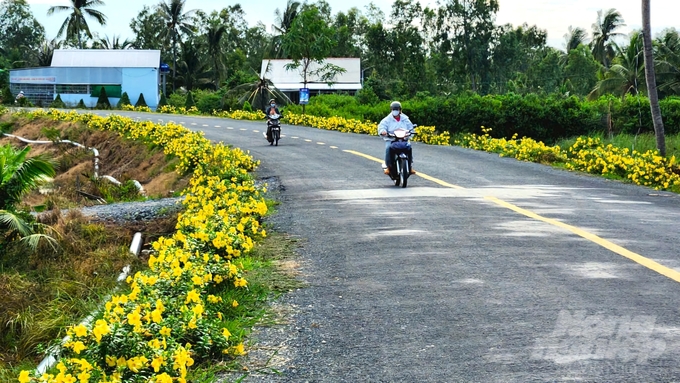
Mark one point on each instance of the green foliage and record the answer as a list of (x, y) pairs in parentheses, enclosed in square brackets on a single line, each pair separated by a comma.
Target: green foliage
[(163, 101), (81, 104), (190, 101), (6, 96), (140, 101), (177, 100), (124, 100), (207, 102), (247, 107), (103, 100), (57, 103), (367, 96), (544, 118), (19, 175)]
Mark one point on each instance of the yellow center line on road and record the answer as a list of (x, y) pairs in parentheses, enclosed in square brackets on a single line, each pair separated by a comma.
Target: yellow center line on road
[(646, 262), (637, 258)]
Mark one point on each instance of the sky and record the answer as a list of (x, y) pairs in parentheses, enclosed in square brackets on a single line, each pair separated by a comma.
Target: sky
[(555, 16)]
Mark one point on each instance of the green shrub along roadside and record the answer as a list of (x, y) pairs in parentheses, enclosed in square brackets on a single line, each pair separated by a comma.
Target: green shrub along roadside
[(124, 100), (543, 118)]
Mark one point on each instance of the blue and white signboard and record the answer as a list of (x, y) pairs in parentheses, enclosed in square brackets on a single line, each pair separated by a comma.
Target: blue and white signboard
[(165, 68), (304, 96)]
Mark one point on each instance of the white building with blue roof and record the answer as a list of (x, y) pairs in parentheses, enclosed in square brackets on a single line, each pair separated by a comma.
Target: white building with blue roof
[(77, 74)]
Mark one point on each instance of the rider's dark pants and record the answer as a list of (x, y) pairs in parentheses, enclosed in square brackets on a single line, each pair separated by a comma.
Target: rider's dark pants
[(269, 132), (388, 154)]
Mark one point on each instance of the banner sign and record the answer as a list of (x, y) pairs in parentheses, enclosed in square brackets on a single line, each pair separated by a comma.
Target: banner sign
[(33, 80), (304, 96)]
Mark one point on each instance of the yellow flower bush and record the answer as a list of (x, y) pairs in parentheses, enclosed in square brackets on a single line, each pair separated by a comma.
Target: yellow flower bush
[(588, 155), (174, 314), (136, 108), (524, 149), (648, 169), (426, 134)]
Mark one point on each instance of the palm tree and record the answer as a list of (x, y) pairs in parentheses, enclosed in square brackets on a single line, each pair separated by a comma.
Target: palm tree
[(192, 68), (650, 77), (177, 21), (259, 92), (19, 175), (626, 75), (668, 63), (75, 24), (603, 31), (214, 36), (575, 37), (46, 51), (284, 21), (113, 43)]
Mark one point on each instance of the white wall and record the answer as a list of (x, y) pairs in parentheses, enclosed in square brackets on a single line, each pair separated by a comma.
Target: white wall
[(141, 80)]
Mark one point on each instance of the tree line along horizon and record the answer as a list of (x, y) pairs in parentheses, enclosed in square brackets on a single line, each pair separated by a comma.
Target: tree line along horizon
[(453, 49)]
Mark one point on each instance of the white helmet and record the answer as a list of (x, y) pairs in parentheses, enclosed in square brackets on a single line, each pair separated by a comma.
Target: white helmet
[(395, 105)]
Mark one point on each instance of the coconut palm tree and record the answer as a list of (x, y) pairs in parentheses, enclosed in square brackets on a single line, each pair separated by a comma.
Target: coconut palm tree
[(575, 37), (75, 24), (626, 75), (650, 77), (284, 21), (668, 63), (214, 35), (177, 21), (192, 68), (46, 51), (259, 92), (112, 43), (604, 29), (19, 175)]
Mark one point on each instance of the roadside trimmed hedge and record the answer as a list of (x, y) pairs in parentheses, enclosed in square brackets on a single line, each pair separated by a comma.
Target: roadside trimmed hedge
[(543, 118)]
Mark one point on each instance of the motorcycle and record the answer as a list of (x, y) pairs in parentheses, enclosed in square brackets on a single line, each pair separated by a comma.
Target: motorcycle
[(275, 125), (401, 168)]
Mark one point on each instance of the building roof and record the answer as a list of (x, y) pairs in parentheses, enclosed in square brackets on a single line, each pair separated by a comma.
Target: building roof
[(292, 80), (106, 58)]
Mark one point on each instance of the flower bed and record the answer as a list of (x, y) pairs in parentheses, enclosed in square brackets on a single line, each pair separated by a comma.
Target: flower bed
[(426, 134), (181, 309), (588, 155)]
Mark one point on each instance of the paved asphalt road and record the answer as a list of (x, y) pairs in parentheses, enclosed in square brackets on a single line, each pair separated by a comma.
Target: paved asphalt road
[(488, 270)]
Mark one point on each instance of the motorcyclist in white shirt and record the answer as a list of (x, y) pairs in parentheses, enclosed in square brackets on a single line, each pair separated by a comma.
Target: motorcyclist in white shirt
[(395, 120)]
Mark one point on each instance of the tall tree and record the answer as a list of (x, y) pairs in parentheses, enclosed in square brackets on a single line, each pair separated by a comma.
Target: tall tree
[(514, 51), (626, 74), (283, 23), (465, 30), (604, 29), (111, 43), (575, 37), (214, 35), (581, 70), (309, 41), (75, 24), (668, 63), (193, 69), (18, 27), (147, 27), (176, 23), (650, 77)]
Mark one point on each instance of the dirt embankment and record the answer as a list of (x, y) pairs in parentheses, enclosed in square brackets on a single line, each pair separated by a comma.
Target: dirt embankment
[(119, 158)]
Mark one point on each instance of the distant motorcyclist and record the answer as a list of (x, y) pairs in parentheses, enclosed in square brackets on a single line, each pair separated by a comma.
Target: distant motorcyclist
[(270, 110), (395, 120), (18, 100)]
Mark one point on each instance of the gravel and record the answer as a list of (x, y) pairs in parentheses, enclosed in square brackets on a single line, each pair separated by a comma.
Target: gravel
[(125, 212)]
